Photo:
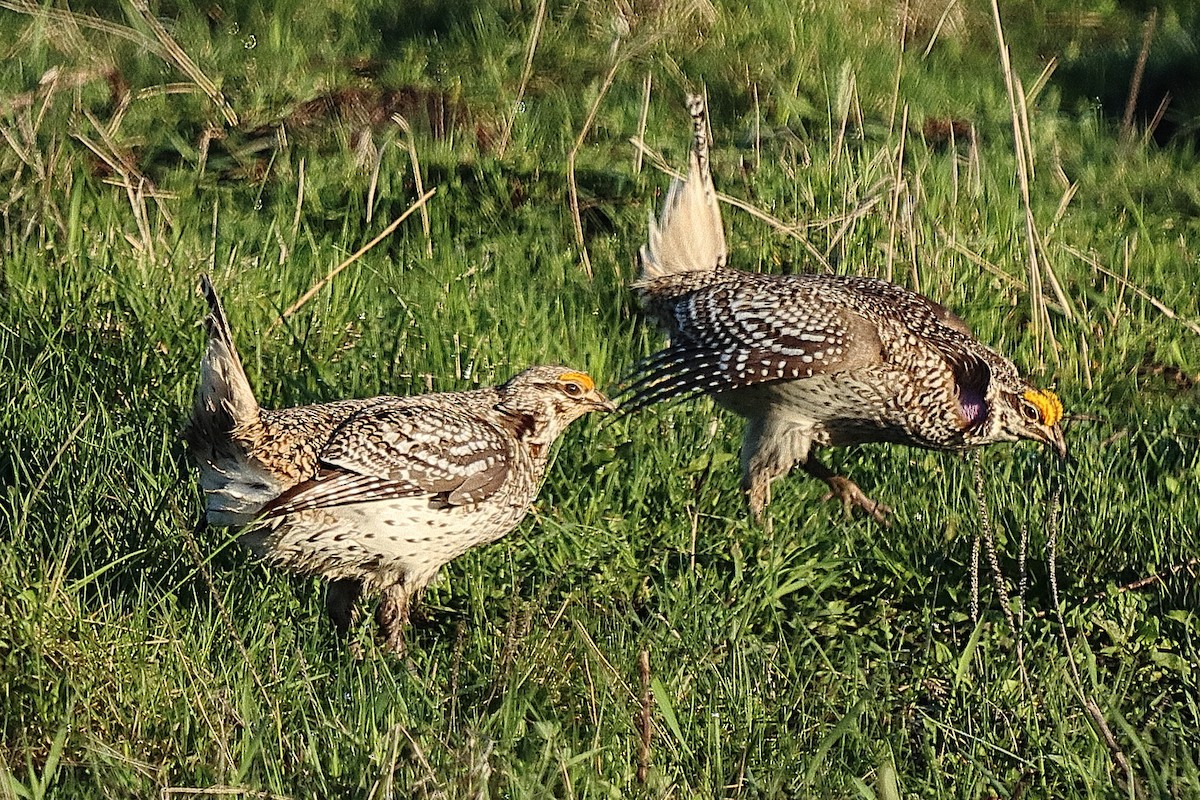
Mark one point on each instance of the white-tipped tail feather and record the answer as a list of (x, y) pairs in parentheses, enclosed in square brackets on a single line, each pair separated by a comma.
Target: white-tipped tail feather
[(236, 487), (223, 396), (689, 235)]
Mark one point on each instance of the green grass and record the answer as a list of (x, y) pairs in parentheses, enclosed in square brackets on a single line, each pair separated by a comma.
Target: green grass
[(809, 661)]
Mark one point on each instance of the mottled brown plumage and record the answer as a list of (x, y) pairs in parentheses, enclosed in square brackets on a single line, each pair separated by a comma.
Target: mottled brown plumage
[(815, 360), (375, 494)]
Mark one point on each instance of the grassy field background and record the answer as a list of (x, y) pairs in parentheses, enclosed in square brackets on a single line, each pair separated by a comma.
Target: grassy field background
[(828, 658)]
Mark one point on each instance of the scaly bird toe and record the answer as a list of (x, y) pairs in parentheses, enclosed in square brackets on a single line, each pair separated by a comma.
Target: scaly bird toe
[(848, 492)]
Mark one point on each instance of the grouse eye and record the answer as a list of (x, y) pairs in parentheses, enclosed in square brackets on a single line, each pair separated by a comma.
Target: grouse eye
[(573, 389), (1031, 412)]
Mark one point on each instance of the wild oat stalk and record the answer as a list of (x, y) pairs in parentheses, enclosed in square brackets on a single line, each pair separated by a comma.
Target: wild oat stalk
[(989, 541), (410, 145)]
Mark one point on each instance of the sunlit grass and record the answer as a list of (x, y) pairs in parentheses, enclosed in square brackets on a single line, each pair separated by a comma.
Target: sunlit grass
[(797, 662)]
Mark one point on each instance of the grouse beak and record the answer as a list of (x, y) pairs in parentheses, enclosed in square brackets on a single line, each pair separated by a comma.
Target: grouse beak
[(1054, 438), (602, 403)]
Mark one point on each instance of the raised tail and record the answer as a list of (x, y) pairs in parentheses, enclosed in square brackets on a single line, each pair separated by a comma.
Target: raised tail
[(224, 401), (689, 235)]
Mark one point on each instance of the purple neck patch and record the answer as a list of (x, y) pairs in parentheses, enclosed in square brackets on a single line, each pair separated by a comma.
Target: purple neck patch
[(973, 406)]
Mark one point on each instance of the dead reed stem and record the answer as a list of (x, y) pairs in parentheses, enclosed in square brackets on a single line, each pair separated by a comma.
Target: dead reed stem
[(299, 199), (1020, 124), (176, 55), (937, 29), (535, 35), (645, 720), (1159, 113), (1131, 783), (296, 306), (1139, 70), (410, 144), (757, 129), (76, 19), (897, 189), (572, 186)]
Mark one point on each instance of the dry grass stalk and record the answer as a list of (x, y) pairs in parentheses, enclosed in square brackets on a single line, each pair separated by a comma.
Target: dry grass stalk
[(594, 649), (176, 55), (1086, 359), (410, 144), (1139, 70), (974, 166), (645, 723), (1023, 127), (635, 31), (757, 128), (1141, 583), (1017, 102), (134, 185), (1131, 783), (898, 186), (376, 155), (137, 202), (989, 542), (937, 28), (1166, 311), (210, 134), (1064, 300), (1068, 196), (980, 261), (846, 89), (874, 196), (25, 147), (296, 306), (218, 791), (1043, 79), (535, 36), (1157, 119), (643, 116), (73, 20), (300, 178), (572, 185), (24, 115), (122, 163), (429, 778)]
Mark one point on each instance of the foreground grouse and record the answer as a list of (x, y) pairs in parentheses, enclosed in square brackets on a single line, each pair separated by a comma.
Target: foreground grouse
[(376, 494)]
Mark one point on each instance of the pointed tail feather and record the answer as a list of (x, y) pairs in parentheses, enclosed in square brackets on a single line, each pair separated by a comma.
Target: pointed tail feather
[(224, 400), (670, 376), (689, 235)]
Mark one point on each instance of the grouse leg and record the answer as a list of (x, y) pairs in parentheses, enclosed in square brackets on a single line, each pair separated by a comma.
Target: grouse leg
[(392, 616), (846, 490)]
